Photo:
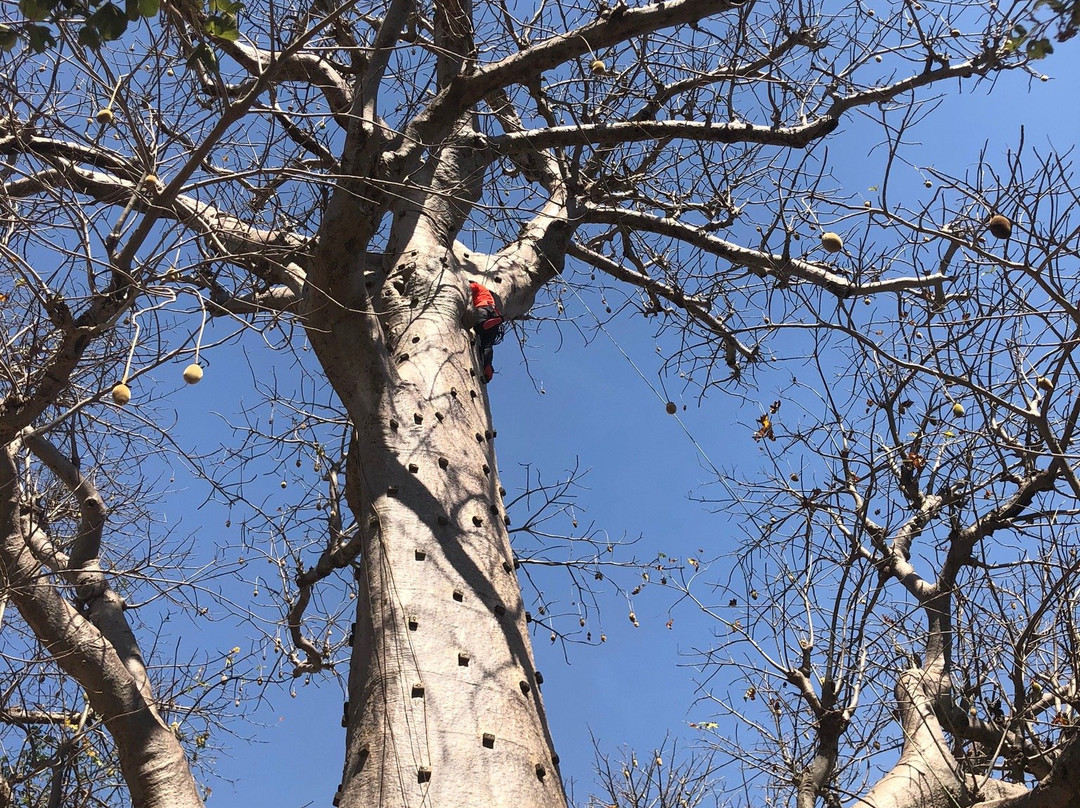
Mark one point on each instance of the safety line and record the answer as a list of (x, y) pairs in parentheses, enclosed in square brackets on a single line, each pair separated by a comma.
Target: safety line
[(660, 396)]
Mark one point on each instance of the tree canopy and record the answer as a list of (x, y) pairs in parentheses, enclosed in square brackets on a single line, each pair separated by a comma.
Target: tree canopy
[(318, 186)]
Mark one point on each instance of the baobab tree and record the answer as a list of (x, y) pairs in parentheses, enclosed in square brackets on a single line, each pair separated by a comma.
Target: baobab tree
[(907, 581), (337, 175)]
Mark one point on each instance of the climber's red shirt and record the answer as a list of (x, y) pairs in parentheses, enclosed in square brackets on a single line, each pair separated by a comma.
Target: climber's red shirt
[(481, 297)]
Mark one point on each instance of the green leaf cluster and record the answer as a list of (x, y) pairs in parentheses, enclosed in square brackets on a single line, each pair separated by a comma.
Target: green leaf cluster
[(222, 20), (103, 21), (1068, 16), (1065, 13), (1034, 47), (203, 54)]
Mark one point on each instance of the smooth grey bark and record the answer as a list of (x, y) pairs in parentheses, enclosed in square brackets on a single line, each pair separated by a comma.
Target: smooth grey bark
[(925, 775), (444, 701), (928, 775), (1059, 789), (95, 647), (813, 780)]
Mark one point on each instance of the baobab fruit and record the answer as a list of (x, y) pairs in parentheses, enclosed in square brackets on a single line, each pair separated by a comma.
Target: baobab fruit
[(671, 408), (999, 226), (832, 242), (598, 67), (193, 373), (1045, 383), (121, 394), (958, 409), (104, 115)]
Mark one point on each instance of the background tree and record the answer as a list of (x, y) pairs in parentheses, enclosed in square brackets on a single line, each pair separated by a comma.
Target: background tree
[(917, 527), (660, 780), (333, 177)]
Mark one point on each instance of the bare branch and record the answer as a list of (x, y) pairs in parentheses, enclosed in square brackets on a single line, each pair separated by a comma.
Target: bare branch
[(610, 134), (766, 265), (430, 124)]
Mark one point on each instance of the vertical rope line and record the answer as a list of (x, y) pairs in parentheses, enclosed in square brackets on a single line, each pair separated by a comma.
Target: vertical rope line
[(659, 395)]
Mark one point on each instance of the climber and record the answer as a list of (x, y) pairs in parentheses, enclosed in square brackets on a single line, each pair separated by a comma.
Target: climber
[(488, 326)]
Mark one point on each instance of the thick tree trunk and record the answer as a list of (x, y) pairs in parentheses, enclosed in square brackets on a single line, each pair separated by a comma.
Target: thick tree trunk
[(151, 758), (927, 775), (444, 706)]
